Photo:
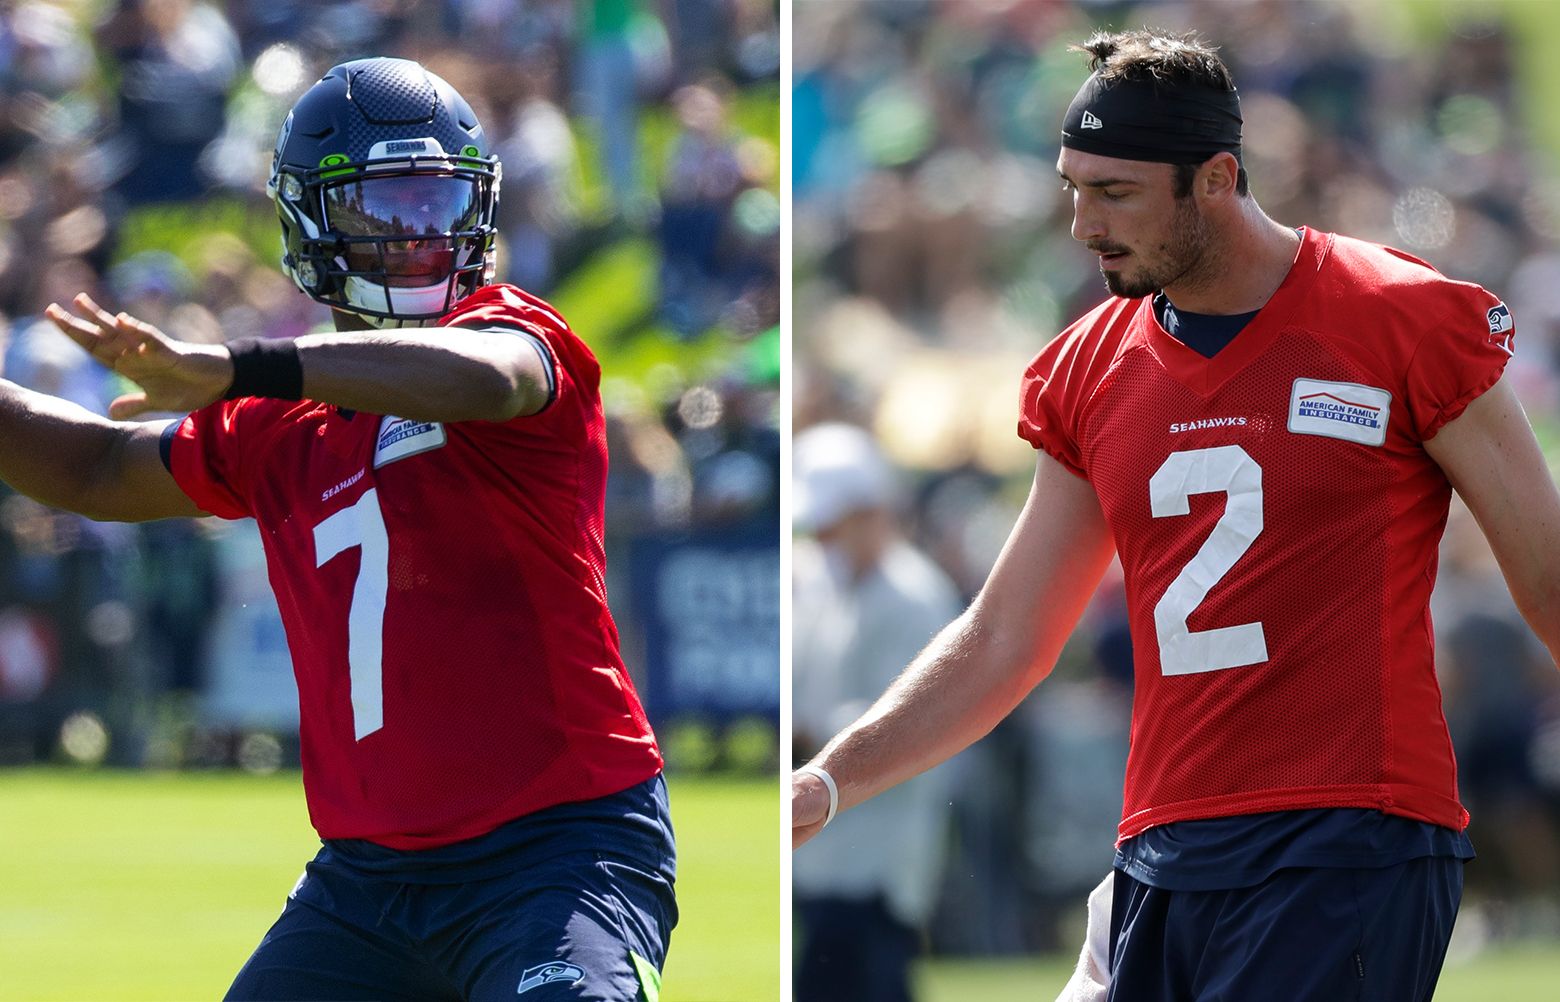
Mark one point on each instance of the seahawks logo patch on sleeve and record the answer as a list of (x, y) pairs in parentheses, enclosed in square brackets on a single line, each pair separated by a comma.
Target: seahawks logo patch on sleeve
[(1500, 327), (1499, 318)]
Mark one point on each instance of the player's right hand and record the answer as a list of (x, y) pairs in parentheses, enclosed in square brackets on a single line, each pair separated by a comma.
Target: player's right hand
[(809, 807), (173, 375)]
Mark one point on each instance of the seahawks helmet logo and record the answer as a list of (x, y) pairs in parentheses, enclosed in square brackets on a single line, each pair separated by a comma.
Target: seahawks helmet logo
[(557, 970)]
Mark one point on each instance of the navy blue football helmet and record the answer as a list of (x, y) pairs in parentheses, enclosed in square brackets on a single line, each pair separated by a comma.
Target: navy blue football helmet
[(386, 191)]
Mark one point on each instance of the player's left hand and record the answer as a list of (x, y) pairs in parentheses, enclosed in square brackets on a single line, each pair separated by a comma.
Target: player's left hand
[(173, 375)]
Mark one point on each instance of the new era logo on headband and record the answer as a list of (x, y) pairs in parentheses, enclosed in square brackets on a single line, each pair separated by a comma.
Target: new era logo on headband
[(1132, 119)]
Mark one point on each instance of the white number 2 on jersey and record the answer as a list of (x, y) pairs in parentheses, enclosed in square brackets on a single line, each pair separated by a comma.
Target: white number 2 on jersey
[(362, 525), (1229, 469)]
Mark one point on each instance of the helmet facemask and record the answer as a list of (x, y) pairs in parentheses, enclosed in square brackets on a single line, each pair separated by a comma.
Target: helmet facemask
[(394, 239)]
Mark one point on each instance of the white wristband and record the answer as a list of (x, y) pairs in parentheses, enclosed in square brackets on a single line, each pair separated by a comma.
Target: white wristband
[(834, 791)]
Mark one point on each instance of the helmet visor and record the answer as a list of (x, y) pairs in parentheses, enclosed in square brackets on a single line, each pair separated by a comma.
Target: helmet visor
[(401, 226)]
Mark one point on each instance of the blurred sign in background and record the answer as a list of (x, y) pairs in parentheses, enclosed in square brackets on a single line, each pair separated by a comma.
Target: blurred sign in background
[(710, 607)]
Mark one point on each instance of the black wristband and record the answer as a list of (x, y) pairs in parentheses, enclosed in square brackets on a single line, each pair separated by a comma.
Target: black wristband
[(265, 367)]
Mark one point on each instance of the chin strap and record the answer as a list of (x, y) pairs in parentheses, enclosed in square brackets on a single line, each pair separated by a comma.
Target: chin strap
[(426, 304)]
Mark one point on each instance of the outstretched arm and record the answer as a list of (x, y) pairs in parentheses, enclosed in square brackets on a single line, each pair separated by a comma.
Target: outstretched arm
[(67, 457), (112, 470), (428, 374), (978, 668), (1490, 455)]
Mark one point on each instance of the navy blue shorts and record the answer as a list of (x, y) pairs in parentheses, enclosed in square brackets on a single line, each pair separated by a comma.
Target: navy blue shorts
[(1302, 935), (570, 903)]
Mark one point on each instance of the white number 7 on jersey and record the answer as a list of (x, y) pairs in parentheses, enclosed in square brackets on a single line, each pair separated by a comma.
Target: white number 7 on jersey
[(362, 525), (1229, 469)]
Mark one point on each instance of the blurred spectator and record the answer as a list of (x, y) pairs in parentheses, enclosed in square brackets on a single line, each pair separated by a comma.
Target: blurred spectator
[(1500, 691), (702, 31), (540, 207), (177, 60), (705, 264), (609, 94), (865, 602)]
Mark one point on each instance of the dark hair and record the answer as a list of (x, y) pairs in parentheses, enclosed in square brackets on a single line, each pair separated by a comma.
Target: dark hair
[(1151, 54), (1158, 55)]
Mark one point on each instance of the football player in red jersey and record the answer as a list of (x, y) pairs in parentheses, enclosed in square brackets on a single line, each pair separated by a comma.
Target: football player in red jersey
[(430, 495), (1265, 425)]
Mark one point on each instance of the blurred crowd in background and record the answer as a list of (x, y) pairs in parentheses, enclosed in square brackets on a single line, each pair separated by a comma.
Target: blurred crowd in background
[(640, 148), (933, 260)]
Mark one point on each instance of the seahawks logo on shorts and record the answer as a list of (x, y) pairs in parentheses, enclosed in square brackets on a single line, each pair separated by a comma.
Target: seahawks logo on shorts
[(556, 970)]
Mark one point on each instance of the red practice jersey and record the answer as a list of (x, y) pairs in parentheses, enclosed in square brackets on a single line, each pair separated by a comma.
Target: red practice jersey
[(1277, 519), (443, 594)]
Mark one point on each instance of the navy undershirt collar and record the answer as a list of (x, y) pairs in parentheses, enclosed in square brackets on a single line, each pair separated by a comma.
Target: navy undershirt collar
[(1204, 333)]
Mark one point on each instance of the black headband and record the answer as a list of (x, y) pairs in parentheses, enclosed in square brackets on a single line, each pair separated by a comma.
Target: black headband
[(1180, 123)]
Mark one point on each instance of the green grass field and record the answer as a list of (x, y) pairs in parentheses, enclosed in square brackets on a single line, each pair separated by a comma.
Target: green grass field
[(122, 886), (1514, 974)]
